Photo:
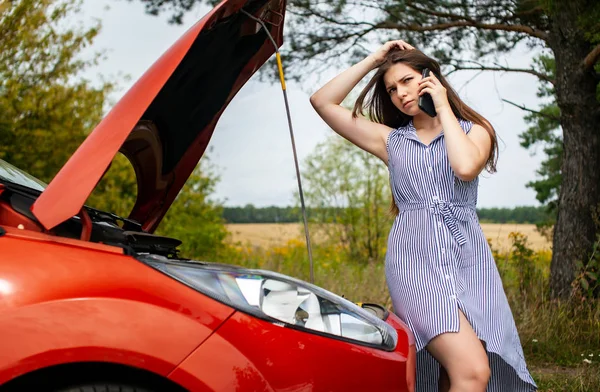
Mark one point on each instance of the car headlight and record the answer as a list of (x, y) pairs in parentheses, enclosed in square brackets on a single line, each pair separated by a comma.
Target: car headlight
[(284, 300)]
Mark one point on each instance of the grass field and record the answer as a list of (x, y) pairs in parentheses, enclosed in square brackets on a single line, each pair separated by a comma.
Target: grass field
[(277, 234)]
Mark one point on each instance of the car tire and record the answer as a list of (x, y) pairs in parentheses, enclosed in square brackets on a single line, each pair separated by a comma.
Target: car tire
[(104, 388)]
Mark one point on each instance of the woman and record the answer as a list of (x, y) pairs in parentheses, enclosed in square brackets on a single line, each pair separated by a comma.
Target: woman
[(440, 271)]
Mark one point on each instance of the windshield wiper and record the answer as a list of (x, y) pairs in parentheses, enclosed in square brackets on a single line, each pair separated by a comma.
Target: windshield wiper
[(103, 216)]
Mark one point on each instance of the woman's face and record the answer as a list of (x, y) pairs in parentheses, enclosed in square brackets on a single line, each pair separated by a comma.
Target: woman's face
[(402, 85)]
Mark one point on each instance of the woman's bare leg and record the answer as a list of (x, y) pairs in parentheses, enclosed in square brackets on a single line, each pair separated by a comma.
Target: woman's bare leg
[(463, 357)]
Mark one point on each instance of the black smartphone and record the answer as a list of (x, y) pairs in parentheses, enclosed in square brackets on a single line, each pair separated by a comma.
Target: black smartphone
[(425, 100)]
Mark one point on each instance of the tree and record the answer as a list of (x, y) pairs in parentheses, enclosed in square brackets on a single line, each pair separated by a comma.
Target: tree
[(46, 108), (117, 190), (195, 219), (348, 192), (545, 131)]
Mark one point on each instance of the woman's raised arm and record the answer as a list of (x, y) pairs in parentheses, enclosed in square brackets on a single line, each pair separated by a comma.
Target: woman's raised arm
[(367, 135)]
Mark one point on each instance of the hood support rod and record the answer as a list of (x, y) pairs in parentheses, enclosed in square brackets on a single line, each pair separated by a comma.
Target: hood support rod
[(289, 118)]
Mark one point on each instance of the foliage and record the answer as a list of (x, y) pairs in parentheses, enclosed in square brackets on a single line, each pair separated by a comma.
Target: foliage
[(545, 131), (117, 190), (356, 185), (251, 214), (519, 214), (523, 261), (586, 283), (194, 218), (46, 109), (273, 214), (177, 8)]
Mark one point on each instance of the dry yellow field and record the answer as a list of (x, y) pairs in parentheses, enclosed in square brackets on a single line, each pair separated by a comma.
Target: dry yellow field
[(277, 234)]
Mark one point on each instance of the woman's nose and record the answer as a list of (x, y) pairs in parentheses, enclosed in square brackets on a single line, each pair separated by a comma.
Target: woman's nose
[(401, 93)]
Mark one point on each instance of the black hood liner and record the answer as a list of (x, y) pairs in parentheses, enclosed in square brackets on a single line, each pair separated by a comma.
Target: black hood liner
[(201, 84)]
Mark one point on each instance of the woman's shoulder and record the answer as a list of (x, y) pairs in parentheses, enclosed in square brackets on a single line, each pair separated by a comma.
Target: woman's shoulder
[(402, 129), (395, 134)]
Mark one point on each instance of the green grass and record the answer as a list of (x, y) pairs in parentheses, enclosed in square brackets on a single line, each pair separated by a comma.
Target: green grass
[(571, 379)]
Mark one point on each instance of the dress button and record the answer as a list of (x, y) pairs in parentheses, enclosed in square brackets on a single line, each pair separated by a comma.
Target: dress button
[(430, 169), (439, 224), (453, 297), (447, 276), (443, 250)]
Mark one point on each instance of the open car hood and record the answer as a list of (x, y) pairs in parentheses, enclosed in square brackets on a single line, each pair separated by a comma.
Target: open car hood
[(164, 122)]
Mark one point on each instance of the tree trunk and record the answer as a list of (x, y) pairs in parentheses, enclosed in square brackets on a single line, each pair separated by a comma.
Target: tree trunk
[(575, 229)]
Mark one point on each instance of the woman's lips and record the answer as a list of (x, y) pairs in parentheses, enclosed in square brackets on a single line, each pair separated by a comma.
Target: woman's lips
[(407, 103)]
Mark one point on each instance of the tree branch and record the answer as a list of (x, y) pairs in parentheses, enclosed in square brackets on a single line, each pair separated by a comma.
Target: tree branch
[(459, 21), (504, 69), (536, 10), (311, 12), (551, 117), (439, 14), (464, 23), (591, 59)]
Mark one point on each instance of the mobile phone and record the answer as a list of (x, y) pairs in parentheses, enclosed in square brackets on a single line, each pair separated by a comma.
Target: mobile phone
[(425, 100)]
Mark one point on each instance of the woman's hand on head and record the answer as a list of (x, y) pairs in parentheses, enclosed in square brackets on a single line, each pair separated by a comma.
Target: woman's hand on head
[(432, 86), (379, 56)]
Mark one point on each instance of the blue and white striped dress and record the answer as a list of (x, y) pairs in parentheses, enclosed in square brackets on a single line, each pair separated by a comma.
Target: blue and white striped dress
[(438, 261)]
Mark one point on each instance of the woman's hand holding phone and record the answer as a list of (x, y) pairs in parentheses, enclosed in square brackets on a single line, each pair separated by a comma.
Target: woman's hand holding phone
[(432, 94)]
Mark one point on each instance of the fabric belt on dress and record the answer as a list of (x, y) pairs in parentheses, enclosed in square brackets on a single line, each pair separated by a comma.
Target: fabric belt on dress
[(451, 212)]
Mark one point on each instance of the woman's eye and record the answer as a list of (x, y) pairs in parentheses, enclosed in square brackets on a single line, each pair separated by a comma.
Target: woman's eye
[(407, 80), (391, 90)]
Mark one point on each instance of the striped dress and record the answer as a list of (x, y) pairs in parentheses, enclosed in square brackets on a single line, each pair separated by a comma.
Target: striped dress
[(438, 261)]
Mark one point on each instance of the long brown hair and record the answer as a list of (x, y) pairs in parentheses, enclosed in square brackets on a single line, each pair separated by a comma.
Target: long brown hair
[(380, 108)]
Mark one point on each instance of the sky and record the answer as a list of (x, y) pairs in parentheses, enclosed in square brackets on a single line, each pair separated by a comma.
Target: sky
[(251, 145)]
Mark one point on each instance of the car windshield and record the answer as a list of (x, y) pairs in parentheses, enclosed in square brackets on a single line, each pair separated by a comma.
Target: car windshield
[(12, 174)]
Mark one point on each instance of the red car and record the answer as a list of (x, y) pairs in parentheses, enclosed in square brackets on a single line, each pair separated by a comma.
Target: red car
[(90, 301)]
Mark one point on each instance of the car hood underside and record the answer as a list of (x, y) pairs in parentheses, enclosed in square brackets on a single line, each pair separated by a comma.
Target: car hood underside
[(164, 122)]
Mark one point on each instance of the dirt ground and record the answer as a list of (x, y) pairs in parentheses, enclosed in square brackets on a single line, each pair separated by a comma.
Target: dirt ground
[(277, 234)]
